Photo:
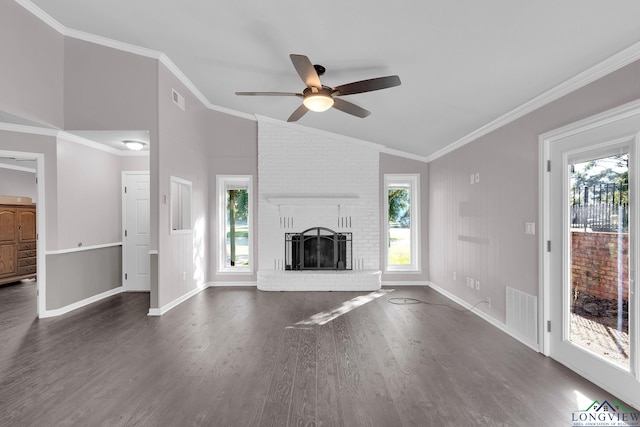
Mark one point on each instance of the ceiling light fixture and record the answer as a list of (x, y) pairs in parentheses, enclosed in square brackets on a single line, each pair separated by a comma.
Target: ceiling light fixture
[(317, 100), (134, 145)]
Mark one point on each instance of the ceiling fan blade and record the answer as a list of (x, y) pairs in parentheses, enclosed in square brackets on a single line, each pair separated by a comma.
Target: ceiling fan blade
[(350, 108), (367, 85), (305, 70), (268, 94), (300, 111)]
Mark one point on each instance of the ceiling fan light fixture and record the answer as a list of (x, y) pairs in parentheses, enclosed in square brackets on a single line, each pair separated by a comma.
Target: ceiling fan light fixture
[(318, 102), (134, 145)]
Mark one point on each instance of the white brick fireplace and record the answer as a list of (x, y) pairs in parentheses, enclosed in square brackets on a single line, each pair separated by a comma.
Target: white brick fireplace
[(309, 178)]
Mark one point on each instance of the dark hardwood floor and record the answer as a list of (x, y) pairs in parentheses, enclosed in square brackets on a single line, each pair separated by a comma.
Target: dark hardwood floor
[(226, 358)]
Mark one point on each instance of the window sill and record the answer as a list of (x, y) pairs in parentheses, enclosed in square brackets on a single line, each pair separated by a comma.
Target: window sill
[(236, 271), (403, 271), (174, 232)]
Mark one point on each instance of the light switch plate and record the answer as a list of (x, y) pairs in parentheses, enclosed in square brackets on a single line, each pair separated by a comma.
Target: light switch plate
[(529, 228)]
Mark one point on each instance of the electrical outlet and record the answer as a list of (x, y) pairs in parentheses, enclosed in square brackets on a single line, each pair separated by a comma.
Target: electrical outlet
[(454, 275), (477, 177), (477, 285), (184, 275), (488, 300)]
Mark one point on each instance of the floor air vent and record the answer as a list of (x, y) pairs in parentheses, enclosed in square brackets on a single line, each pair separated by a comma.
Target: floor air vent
[(522, 315)]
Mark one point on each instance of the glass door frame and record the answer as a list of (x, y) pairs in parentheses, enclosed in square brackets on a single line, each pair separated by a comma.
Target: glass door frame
[(592, 152), (628, 117)]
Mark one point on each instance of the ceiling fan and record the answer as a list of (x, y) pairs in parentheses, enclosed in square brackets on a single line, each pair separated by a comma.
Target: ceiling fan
[(318, 97)]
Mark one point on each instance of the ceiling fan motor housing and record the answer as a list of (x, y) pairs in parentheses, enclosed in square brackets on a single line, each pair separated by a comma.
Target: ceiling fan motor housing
[(324, 90)]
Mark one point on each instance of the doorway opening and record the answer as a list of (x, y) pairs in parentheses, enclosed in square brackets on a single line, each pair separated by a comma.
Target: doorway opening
[(599, 256), (25, 173), (589, 215)]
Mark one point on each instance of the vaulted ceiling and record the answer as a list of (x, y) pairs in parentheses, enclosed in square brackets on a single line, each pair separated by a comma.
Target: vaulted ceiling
[(463, 64)]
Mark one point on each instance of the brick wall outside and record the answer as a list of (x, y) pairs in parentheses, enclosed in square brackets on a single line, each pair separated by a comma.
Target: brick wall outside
[(595, 258)]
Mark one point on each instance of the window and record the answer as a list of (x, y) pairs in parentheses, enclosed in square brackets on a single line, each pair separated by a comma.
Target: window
[(402, 218), (235, 215), (180, 192)]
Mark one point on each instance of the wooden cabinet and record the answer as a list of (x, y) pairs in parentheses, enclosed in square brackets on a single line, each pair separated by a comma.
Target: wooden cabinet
[(18, 244)]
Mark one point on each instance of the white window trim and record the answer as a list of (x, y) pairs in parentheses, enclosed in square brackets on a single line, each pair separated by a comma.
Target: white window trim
[(221, 183), (413, 180)]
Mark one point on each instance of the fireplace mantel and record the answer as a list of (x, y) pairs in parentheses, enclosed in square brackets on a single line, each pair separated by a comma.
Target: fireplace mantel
[(313, 199)]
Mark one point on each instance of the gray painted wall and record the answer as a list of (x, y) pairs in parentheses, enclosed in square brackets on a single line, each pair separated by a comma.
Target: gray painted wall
[(31, 74), (478, 230), (89, 197), (390, 164), (75, 276), (134, 163), (17, 183), (233, 150), (182, 148), (108, 89)]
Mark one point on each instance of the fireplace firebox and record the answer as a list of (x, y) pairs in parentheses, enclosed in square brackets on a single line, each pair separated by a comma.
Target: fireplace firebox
[(318, 248)]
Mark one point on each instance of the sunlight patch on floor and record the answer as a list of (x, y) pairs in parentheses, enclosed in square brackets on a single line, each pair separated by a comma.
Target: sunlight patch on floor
[(325, 317)]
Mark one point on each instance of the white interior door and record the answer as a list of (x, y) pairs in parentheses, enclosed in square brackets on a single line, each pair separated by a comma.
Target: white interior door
[(136, 231), (593, 227)]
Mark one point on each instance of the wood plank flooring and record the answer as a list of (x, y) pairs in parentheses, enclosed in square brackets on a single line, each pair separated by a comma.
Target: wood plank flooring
[(226, 358)]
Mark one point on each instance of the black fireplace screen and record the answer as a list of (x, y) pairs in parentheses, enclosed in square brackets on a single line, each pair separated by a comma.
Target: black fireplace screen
[(318, 248)]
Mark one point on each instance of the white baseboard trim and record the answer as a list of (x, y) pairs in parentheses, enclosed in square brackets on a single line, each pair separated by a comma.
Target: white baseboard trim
[(80, 304), (238, 284), (483, 315), (162, 310), (390, 283), (385, 283)]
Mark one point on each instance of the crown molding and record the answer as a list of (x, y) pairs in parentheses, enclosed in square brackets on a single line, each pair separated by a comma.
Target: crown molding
[(232, 112), (88, 37), (42, 15), (130, 48), (97, 146), (87, 142), (34, 130), (608, 66), (404, 154), (111, 43), (16, 168), (177, 72), (164, 59)]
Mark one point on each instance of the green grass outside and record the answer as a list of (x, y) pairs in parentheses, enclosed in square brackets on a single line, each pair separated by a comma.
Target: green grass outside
[(399, 252)]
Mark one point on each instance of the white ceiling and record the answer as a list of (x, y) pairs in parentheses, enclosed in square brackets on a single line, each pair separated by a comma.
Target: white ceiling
[(462, 63)]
